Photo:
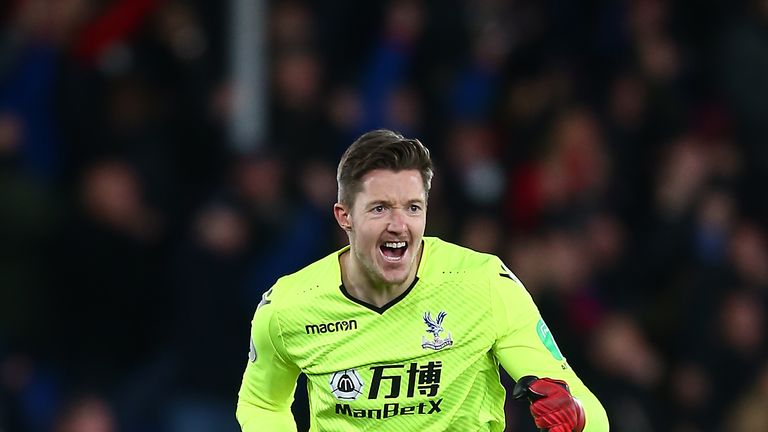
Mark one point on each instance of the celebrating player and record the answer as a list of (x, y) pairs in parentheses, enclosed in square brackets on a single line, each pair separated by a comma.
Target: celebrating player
[(400, 332)]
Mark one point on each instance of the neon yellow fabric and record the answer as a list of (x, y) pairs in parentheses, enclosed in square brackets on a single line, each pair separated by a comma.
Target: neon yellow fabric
[(428, 361)]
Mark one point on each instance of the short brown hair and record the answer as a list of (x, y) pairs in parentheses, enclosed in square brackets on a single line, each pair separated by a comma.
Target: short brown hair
[(380, 149)]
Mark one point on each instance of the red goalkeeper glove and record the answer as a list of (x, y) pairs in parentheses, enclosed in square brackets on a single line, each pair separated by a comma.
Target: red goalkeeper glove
[(552, 406)]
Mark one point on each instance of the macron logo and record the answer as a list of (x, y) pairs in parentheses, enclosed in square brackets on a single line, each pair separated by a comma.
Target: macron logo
[(331, 327)]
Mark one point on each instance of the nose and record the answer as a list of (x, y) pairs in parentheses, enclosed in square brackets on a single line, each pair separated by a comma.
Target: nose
[(396, 221)]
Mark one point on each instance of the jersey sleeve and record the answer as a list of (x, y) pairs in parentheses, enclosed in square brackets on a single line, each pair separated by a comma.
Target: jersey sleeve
[(269, 381), (525, 346)]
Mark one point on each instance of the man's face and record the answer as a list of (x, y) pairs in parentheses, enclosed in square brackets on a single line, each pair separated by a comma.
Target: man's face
[(386, 225)]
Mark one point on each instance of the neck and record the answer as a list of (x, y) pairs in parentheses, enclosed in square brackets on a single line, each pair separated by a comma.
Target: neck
[(362, 286)]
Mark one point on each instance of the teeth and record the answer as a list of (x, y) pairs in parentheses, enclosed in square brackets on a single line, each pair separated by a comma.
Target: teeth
[(395, 245)]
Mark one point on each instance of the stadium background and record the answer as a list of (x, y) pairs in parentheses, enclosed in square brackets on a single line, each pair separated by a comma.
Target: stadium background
[(612, 152)]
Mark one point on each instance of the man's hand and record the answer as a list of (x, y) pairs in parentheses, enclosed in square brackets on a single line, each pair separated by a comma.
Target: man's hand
[(552, 406)]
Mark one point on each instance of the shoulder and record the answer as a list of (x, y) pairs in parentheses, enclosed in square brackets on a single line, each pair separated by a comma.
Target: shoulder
[(445, 256), (311, 281)]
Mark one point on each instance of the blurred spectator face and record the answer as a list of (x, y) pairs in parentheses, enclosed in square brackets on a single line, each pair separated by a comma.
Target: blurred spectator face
[(222, 230), (620, 348), (529, 260), (90, 414), (569, 266), (297, 79), (345, 109), (291, 25), (683, 173), (404, 20), (404, 109), (742, 320), (627, 101), (747, 251), (716, 210), (659, 58), (576, 164), (606, 238), (530, 98), (491, 45), (259, 180), (691, 386), (318, 182), (481, 233), (472, 153), (111, 194), (179, 28), (648, 17), (10, 134), (53, 19), (579, 151), (470, 143)]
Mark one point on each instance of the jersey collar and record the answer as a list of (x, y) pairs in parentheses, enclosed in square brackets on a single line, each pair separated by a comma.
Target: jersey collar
[(380, 310)]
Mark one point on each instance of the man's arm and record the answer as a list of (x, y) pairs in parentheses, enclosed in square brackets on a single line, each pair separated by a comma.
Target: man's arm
[(525, 346), (266, 394)]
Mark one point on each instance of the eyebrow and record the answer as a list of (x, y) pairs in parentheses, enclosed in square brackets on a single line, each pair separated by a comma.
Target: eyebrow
[(389, 203)]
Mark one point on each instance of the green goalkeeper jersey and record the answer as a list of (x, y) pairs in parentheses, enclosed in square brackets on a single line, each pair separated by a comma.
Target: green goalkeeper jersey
[(426, 361)]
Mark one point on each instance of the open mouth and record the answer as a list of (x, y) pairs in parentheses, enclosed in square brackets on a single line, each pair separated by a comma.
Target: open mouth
[(393, 251)]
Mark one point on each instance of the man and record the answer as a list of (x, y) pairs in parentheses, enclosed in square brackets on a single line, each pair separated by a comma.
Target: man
[(398, 332)]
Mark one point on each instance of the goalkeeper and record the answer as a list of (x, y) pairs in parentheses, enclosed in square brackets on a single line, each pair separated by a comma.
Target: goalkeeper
[(401, 332)]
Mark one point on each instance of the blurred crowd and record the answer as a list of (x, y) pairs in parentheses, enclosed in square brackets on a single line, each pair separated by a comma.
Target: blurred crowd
[(611, 152)]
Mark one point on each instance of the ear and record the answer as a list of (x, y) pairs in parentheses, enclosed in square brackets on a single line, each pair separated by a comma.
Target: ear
[(342, 215)]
